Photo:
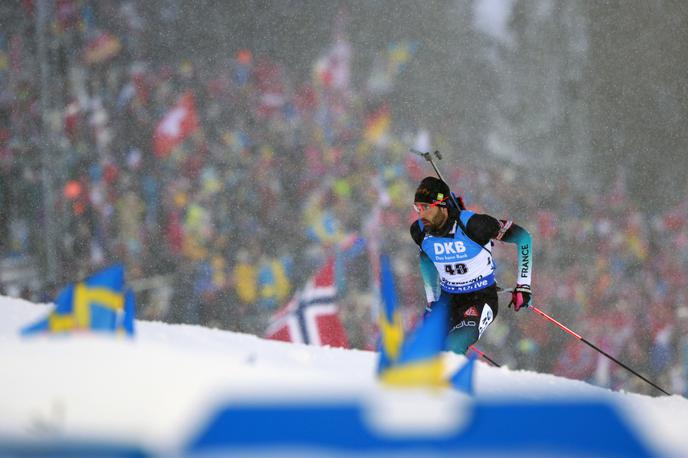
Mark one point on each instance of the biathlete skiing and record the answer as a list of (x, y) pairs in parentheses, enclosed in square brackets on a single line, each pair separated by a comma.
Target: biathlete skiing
[(457, 265)]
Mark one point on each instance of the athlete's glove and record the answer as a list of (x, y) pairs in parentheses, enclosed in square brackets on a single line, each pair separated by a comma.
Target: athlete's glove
[(520, 297)]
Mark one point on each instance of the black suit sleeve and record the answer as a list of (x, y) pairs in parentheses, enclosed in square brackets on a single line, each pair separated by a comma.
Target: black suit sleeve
[(416, 233), (483, 228)]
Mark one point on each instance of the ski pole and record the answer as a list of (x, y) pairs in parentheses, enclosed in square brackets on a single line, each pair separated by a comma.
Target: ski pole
[(587, 342), (428, 157), (595, 347), (483, 355)]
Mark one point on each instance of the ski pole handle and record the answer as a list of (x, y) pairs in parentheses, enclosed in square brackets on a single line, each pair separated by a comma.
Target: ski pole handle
[(428, 157)]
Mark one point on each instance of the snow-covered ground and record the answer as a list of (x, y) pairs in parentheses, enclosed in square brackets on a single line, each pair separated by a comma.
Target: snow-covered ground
[(156, 392)]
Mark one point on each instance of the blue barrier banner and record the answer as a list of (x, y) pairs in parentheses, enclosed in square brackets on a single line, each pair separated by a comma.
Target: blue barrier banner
[(576, 428)]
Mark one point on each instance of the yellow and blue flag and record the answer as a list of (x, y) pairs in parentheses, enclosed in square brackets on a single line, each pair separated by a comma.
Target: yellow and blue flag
[(323, 227), (398, 55), (420, 361), (389, 322), (100, 303), (416, 360)]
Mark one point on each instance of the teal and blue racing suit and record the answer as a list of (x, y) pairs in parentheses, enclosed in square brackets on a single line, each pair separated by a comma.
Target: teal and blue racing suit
[(458, 268)]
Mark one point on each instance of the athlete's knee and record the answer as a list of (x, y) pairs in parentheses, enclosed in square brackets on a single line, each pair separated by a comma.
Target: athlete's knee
[(460, 340)]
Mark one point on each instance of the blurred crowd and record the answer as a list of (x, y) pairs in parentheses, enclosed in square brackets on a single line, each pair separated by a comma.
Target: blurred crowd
[(233, 179)]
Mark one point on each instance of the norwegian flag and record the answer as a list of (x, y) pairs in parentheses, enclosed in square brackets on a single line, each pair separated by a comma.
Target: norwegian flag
[(312, 315), (180, 122)]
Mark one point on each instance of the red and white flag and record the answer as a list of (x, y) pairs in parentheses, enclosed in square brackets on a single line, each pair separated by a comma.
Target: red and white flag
[(334, 68), (180, 122), (312, 315)]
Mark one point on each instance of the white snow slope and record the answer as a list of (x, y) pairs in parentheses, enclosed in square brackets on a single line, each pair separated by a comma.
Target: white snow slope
[(156, 391)]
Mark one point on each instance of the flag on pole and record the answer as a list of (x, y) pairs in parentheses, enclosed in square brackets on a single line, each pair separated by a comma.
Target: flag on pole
[(420, 359), (333, 69), (312, 315), (102, 47), (388, 66), (377, 125), (416, 360), (389, 322), (178, 124)]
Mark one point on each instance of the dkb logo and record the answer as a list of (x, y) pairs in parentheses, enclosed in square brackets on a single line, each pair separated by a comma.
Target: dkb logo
[(449, 247)]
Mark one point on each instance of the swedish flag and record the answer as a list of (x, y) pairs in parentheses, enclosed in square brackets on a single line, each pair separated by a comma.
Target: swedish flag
[(420, 360), (398, 55), (416, 360), (389, 322), (99, 303)]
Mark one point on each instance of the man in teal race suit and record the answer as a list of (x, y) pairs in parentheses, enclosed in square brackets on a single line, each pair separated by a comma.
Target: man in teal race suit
[(457, 265)]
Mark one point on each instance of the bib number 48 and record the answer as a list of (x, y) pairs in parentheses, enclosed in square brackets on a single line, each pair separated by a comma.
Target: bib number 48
[(453, 269)]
